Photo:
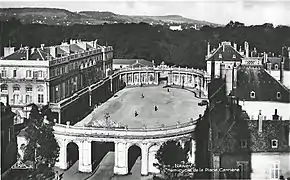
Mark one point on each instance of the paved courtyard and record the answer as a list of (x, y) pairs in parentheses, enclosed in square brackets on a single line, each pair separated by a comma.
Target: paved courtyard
[(176, 105)]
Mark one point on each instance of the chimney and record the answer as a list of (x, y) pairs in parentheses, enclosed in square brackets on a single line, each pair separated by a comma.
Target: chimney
[(42, 46), (275, 116), (234, 78), (289, 57), (260, 123), (27, 52), (153, 63), (269, 67), (52, 51), (240, 49), (32, 50), (246, 46), (223, 47), (95, 43), (235, 46), (282, 70), (8, 51), (228, 79), (208, 48), (222, 70), (265, 58)]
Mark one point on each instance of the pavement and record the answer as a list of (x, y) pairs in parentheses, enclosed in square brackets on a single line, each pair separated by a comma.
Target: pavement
[(177, 105), (136, 173), (105, 170), (72, 173)]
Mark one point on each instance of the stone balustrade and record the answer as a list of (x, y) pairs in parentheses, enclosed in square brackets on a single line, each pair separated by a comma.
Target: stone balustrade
[(123, 132)]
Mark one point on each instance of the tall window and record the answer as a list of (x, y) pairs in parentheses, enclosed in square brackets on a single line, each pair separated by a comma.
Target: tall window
[(40, 94), (243, 169), (16, 98), (28, 74), (40, 74), (4, 87), (3, 73), (14, 73), (28, 98), (275, 170)]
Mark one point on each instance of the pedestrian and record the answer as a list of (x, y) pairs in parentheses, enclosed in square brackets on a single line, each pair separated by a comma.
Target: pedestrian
[(136, 114), (167, 89), (282, 177), (155, 108), (142, 96)]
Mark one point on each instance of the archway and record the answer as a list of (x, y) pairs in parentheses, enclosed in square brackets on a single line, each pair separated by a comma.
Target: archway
[(134, 152), (72, 154), (102, 152)]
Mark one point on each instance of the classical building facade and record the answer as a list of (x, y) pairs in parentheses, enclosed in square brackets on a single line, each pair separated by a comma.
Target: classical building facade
[(248, 122), (51, 74)]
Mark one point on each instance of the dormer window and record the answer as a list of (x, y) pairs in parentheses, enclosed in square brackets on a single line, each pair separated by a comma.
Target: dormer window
[(274, 143), (234, 56), (220, 56), (278, 95), (244, 144), (253, 95), (276, 66)]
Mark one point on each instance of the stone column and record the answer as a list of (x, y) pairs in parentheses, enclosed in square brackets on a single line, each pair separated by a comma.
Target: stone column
[(133, 79), (179, 79), (111, 81), (144, 160), (62, 158), (121, 153), (139, 78), (156, 78), (85, 153), (152, 159), (147, 78)]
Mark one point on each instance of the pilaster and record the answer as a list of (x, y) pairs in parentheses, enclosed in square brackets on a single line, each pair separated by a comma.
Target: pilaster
[(121, 159), (144, 160), (62, 158), (85, 152), (216, 165)]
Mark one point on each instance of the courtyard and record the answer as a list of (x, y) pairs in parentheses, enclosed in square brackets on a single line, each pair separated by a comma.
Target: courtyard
[(128, 107)]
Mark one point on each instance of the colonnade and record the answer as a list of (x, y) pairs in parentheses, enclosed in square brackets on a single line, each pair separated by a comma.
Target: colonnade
[(148, 152)]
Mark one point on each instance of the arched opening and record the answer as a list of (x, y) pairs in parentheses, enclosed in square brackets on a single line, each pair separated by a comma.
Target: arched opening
[(72, 154), (134, 158), (102, 153)]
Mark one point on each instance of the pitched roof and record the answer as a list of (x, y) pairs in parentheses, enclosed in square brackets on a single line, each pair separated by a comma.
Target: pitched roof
[(17, 55), (256, 79), (227, 54), (75, 48), (247, 130), (132, 62)]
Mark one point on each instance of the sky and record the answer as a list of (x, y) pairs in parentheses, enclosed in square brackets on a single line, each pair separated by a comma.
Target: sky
[(250, 12)]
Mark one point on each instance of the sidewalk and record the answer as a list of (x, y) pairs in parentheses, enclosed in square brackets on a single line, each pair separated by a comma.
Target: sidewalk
[(72, 173)]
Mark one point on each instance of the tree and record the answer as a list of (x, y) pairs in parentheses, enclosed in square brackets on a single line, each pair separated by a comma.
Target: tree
[(171, 159), (42, 148)]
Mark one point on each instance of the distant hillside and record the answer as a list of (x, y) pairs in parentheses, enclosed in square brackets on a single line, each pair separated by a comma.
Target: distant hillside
[(52, 16)]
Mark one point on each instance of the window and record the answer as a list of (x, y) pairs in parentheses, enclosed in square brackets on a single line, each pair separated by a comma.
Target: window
[(4, 87), (278, 95), (28, 74), (16, 88), (274, 171), (220, 56), (40, 74), (15, 98), (243, 169), (234, 56), (3, 73), (14, 73), (274, 143), (28, 89), (244, 143), (40, 98), (276, 66), (253, 95), (28, 99)]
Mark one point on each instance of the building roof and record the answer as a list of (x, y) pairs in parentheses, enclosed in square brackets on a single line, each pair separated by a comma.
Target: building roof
[(141, 62), (247, 130), (227, 54), (257, 80), (75, 48), (17, 55)]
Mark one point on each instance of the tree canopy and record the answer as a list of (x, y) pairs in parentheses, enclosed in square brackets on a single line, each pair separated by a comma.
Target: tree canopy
[(42, 148), (183, 48)]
